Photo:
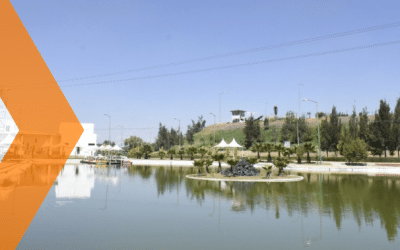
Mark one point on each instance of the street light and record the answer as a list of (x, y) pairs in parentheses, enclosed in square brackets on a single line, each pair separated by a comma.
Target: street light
[(220, 105), (109, 135), (214, 126), (298, 116), (179, 132), (319, 138)]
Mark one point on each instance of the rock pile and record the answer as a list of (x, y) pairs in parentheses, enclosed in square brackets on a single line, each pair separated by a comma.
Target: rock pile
[(242, 168)]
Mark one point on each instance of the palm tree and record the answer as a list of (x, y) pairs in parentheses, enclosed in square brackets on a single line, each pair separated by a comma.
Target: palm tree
[(268, 169), (309, 148), (208, 162), (171, 152), (202, 151), (198, 164), (218, 157), (281, 163), (279, 148), (257, 147), (268, 147), (181, 152), (191, 150)]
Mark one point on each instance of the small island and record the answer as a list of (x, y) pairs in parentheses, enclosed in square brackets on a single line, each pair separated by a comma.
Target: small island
[(244, 171)]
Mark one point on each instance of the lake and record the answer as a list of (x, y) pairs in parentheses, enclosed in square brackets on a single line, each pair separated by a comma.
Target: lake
[(158, 208)]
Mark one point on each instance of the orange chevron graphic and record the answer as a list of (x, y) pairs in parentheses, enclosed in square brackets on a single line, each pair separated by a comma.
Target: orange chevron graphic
[(48, 128)]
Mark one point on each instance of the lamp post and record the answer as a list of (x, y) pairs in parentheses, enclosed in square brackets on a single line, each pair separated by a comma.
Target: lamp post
[(319, 138), (214, 126), (298, 116), (220, 105), (109, 135), (179, 132)]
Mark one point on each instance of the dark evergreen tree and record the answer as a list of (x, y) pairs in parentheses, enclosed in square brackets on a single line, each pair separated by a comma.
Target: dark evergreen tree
[(289, 128), (266, 123), (353, 125), (251, 131), (384, 124), (363, 131), (325, 136), (396, 128), (162, 138), (335, 127), (195, 128), (276, 111)]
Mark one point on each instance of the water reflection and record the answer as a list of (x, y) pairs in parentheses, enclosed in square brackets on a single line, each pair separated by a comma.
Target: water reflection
[(365, 199)]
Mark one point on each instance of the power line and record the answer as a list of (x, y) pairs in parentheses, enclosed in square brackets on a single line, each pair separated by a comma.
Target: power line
[(275, 46), (240, 64)]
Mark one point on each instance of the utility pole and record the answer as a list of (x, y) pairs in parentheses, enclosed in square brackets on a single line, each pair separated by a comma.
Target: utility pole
[(319, 138), (214, 126)]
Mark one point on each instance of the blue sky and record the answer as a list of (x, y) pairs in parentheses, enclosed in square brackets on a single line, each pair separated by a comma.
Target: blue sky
[(80, 39)]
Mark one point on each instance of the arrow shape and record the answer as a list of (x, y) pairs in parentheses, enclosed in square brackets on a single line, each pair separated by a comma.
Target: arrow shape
[(41, 114)]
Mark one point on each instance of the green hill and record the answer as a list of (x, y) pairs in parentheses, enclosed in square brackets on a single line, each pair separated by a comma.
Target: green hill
[(228, 131)]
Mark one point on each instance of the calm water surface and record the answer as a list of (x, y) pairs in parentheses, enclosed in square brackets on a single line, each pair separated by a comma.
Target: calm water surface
[(158, 208)]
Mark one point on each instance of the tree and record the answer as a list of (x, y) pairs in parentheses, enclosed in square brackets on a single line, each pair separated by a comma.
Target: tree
[(383, 124), (199, 165), (195, 128), (363, 131), (251, 131), (107, 142), (335, 127), (181, 152), (396, 127), (218, 157), (353, 125), (192, 150), (279, 148), (133, 141), (171, 152), (202, 151), (276, 111), (268, 171), (345, 138), (325, 136), (309, 148), (207, 163), (281, 163), (266, 123), (147, 149), (269, 147), (289, 128), (162, 138), (161, 153), (300, 152), (257, 147), (375, 139), (355, 150)]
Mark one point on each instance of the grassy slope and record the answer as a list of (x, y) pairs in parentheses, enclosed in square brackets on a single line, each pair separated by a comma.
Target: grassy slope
[(228, 131)]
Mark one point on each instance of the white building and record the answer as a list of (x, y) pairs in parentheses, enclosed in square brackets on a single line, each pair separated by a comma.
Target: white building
[(238, 115), (86, 146)]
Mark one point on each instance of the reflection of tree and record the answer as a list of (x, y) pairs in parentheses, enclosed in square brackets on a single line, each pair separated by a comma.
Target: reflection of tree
[(359, 197)]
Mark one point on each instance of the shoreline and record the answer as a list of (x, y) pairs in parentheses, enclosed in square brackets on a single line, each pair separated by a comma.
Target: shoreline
[(194, 177), (327, 167)]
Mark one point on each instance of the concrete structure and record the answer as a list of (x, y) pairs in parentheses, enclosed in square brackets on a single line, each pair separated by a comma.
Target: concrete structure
[(238, 115), (86, 146)]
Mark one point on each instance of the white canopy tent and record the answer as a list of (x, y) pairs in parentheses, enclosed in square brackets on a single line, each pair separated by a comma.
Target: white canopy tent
[(116, 148), (222, 144), (233, 144)]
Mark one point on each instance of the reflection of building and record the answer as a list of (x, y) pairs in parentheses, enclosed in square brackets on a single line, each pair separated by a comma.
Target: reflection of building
[(75, 182), (238, 115), (8, 129), (86, 145)]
